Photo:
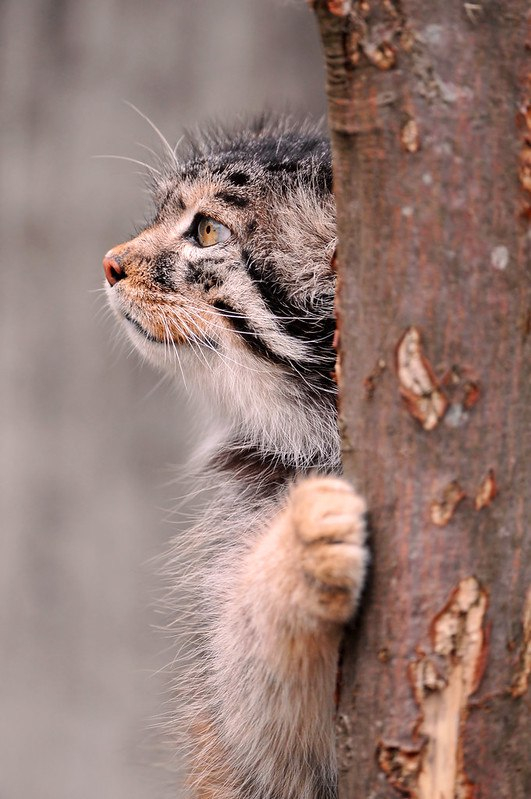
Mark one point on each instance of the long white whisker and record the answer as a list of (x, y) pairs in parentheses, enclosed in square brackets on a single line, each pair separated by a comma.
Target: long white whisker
[(179, 140), (158, 384), (131, 160), (286, 318), (305, 355), (149, 149), (163, 138), (192, 340), (224, 357), (169, 343)]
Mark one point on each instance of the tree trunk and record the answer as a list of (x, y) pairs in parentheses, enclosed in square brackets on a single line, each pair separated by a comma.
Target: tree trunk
[(430, 118)]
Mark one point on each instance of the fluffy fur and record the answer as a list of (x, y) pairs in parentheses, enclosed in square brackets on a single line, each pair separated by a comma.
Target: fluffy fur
[(274, 567)]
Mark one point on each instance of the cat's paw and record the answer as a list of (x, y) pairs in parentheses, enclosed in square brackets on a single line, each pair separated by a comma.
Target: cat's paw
[(328, 523)]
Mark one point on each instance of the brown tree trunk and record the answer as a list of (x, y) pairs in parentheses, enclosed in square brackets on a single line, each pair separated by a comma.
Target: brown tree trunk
[(430, 118)]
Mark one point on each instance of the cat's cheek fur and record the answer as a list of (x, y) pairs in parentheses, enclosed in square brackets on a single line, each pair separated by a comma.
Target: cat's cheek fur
[(261, 402)]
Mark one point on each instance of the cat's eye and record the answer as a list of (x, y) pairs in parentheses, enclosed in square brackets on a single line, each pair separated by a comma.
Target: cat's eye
[(210, 232)]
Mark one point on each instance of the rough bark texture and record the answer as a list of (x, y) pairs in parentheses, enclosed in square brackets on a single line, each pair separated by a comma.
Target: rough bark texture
[(430, 117)]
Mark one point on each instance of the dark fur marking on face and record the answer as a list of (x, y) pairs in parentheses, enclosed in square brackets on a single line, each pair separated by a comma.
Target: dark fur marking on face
[(203, 274), (250, 337), (309, 325), (268, 286), (238, 178), (170, 203), (162, 270), (232, 199), (179, 203), (289, 166)]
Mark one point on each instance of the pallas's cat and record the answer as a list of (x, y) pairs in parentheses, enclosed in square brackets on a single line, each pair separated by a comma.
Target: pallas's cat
[(230, 286)]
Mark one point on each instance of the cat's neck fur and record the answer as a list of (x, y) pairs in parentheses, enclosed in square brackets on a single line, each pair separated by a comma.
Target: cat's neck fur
[(285, 423)]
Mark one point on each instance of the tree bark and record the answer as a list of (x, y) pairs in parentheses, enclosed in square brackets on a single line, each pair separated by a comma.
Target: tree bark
[(430, 119)]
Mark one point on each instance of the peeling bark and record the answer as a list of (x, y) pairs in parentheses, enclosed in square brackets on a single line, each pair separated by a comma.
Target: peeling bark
[(418, 384), (442, 681), (443, 509), (442, 692), (430, 120), (487, 491), (521, 679)]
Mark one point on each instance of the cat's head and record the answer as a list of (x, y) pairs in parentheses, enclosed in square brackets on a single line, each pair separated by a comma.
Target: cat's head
[(231, 282)]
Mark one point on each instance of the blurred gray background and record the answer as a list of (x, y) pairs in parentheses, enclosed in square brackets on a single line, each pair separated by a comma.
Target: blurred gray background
[(85, 445)]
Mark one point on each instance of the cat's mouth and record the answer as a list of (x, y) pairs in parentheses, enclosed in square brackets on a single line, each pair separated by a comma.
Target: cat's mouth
[(140, 329), (157, 321), (162, 334)]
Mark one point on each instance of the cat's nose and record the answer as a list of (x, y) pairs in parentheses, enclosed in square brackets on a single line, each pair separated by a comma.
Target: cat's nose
[(113, 268)]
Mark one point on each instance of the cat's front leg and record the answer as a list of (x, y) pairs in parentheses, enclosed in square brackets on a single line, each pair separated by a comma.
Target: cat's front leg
[(325, 530), (274, 662), (302, 579)]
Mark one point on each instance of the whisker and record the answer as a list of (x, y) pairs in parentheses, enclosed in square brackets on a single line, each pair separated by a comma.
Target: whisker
[(171, 343), (163, 138), (177, 143), (155, 388), (192, 340), (149, 149), (287, 318), (223, 356), (131, 160), (306, 355)]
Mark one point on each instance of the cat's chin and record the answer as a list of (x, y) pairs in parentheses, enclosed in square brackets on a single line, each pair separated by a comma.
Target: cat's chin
[(133, 326), (175, 358), (160, 354)]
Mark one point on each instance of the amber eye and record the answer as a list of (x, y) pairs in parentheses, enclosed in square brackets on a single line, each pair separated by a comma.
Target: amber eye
[(210, 232)]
